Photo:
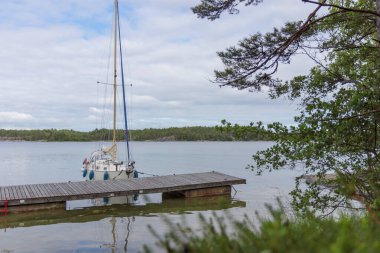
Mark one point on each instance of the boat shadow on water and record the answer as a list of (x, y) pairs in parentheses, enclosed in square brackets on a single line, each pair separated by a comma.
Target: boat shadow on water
[(96, 213)]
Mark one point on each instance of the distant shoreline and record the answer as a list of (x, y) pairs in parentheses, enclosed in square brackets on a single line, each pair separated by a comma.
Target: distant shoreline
[(151, 134), (5, 140)]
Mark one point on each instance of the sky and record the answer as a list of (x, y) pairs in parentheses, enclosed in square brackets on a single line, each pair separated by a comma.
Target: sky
[(53, 52)]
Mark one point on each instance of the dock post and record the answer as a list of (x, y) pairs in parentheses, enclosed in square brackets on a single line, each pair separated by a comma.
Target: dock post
[(5, 209), (203, 192)]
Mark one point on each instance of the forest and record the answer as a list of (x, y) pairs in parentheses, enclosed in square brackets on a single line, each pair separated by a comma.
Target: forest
[(197, 133)]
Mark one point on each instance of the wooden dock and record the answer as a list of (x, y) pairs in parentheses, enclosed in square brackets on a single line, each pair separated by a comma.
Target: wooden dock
[(187, 185)]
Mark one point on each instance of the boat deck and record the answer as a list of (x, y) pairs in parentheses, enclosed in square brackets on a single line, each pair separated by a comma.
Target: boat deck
[(21, 195)]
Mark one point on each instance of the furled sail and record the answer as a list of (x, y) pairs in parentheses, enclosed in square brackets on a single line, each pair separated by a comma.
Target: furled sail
[(111, 150)]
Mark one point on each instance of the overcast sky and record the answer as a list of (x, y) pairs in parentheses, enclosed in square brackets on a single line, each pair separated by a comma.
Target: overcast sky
[(53, 52)]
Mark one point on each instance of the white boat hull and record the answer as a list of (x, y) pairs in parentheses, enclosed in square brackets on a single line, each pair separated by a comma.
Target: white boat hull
[(102, 167), (99, 175)]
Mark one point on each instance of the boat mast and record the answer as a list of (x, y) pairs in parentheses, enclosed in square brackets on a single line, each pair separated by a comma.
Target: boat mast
[(115, 74), (123, 86)]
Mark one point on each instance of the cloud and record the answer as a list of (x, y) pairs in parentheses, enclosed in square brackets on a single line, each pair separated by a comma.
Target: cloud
[(53, 53), (98, 111), (12, 117)]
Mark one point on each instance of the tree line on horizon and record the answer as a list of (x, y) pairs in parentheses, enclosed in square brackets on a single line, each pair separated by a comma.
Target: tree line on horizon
[(197, 133)]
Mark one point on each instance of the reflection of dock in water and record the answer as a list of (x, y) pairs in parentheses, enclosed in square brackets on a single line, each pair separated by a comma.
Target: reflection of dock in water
[(181, 205)]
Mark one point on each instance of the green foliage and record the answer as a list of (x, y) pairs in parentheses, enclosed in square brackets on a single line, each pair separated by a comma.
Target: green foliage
[(279, 233), (181, 134), (165, 134), (43, 135), (338, 125), (244, 133), (212, 9)]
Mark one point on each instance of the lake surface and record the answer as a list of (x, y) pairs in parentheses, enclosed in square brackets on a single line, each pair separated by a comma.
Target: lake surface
[(124, 228)]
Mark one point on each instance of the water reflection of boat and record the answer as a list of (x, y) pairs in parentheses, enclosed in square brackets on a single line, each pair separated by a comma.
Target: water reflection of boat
[(176, 206), (113, 245), (103, 164), (114, 200)]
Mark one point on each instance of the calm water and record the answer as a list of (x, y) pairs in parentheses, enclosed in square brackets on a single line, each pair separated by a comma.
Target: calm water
[(123, 228)]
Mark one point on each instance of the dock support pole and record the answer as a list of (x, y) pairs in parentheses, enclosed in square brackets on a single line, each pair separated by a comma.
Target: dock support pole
[(5, 209), (203, 192)]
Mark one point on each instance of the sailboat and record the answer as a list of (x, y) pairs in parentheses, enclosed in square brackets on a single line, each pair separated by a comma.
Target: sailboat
[(103, 163)]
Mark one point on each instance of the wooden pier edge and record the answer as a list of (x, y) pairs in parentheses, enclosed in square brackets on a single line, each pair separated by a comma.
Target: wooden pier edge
[(51, 195)]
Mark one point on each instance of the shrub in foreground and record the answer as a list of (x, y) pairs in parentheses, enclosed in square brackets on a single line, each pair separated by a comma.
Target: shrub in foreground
[(277, 234)]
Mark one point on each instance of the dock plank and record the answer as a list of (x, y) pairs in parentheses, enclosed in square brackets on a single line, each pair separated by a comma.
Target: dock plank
[(88, 188), (26, 192), (106, 186), (42, 190), (12, 195), (61, 190), (52, 190), (34, 192), (6, 191), (3, 194), (20, 192), (97, 188), (78, 190), (40, 194), (65, 187)]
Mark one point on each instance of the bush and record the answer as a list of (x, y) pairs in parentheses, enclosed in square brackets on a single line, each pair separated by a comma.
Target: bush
[(277, 234)]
